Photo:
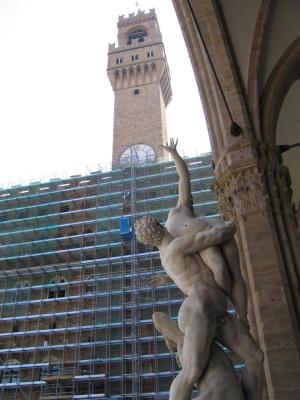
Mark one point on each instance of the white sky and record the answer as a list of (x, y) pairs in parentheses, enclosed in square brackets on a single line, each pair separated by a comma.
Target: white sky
[(56, 102)]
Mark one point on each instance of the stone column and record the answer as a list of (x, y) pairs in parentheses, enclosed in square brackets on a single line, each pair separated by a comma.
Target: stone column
[(252, 189)]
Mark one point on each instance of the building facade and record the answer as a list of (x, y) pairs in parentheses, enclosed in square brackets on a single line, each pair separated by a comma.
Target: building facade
[(76, 308), (76, 305)]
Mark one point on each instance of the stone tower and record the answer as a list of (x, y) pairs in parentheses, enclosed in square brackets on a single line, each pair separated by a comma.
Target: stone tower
[(139, 74)]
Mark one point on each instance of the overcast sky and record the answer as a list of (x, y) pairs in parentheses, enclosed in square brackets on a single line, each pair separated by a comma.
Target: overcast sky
[(56, 102)]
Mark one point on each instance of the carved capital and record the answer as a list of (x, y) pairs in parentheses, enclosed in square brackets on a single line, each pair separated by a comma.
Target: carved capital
[(240, 193)]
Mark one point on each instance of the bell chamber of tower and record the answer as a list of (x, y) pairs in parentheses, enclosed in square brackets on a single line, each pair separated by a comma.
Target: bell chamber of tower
[(139, 75)]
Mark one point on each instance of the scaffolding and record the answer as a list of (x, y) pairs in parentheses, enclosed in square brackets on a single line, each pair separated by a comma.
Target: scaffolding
[(76, 306)]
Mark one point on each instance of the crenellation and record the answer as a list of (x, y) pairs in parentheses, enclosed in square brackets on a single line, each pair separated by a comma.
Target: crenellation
[(111, 47), (137, 17)]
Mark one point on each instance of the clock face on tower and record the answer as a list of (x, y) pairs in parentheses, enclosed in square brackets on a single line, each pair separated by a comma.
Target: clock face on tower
[(137, 154)]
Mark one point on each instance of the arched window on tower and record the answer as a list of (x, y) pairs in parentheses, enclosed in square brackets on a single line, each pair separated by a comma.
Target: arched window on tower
[(138, 34)]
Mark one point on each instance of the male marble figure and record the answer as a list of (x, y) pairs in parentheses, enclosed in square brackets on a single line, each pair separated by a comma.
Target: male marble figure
[(223, 260), (219, 380), (226, 275), (205, 303)]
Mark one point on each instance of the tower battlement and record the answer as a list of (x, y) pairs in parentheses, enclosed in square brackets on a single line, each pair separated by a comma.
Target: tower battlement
[(134, 18), (112, 47), (136, 30)]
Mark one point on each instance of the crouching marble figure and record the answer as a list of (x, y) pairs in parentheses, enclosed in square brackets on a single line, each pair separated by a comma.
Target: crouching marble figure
[(201, 258), (219, 380)]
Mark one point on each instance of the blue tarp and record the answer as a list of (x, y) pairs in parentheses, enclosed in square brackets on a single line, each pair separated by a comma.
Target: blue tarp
[(125, 228)]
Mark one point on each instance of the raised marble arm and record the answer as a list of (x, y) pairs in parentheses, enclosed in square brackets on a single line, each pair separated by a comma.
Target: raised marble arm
[(185, 192), (195, 242)]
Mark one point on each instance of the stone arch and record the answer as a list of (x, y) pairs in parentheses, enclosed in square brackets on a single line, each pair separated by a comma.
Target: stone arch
[(124, 77), (277, 117), (287, 133), (147, 76), (256, 56), (153, 71), (139, 74), (117, 76), (139, 27), (284, 74), (131, 74), (138, 33)]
